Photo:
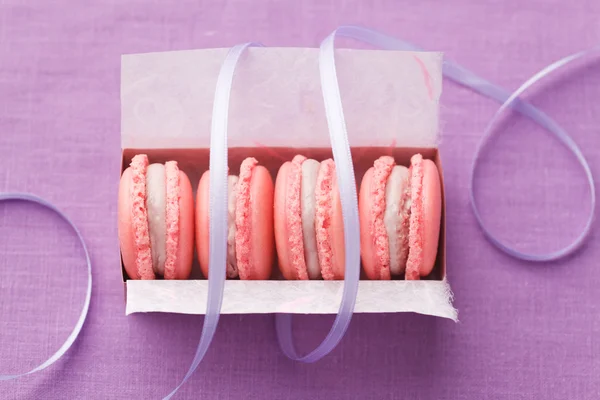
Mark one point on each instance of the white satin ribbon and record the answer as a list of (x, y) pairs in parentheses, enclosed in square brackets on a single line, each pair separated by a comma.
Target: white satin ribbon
[(218, 195), (26, 197)]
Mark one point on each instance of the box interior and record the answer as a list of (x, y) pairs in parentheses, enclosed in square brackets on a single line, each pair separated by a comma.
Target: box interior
[(194, 162)]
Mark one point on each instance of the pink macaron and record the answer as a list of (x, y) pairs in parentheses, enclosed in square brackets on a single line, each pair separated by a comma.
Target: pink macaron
[(250, 249), (308, 220), (156, 220), (400, 216)]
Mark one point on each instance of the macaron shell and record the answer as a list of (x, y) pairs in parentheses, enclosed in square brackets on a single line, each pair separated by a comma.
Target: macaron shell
[(367, 246), (336, 232), (202, 235), (133, 220), (261, 223), (424, 218), (432, 215), (261, 201), (125, 228), (185, 249), (231, 267), (323, 218), (280, 225)]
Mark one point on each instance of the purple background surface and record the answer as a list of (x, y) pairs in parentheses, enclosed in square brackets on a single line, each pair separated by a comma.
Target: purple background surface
[(526, 331)]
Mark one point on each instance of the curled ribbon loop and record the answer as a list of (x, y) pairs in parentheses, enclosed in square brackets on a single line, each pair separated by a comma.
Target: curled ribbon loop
[(513, 101), (218, 170), (88, 294), (470, 80)]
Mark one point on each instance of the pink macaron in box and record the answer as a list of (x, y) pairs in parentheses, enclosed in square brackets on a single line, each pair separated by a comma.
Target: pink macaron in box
[(285, 242)]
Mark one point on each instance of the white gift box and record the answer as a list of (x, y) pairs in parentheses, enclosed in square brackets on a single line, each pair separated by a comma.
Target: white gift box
[(391, 104)]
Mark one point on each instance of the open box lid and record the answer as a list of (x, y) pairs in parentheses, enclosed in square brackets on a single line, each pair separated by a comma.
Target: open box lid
[(389, 97)]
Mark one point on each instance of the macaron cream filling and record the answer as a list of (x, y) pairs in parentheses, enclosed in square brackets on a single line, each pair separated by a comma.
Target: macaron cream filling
[(310, 170), (397, 217), (156, 199), (162, 206)]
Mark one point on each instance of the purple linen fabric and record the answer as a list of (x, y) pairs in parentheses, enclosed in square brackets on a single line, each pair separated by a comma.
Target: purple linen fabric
[(526, 331)]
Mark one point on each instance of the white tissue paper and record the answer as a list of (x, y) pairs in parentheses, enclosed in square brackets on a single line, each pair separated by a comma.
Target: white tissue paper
[(295, 297)]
